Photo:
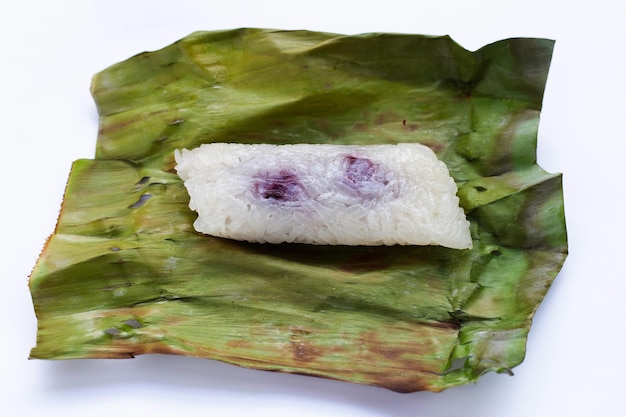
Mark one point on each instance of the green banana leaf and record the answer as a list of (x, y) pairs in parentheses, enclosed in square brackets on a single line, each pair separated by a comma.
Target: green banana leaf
[(124, 273)]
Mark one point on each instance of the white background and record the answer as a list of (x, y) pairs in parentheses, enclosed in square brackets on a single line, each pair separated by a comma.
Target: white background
[(575, 363)]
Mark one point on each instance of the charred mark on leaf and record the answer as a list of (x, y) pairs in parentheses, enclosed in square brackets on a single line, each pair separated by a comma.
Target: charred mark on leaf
[(142, 200), (175, 122), (480, 189)]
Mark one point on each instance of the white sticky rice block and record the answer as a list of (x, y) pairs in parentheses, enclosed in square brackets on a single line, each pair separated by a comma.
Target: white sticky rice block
[(324, 194)]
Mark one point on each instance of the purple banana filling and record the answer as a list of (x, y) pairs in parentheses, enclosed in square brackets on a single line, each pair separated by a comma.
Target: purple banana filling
[(359, 170), (281, 186), (359, 178)]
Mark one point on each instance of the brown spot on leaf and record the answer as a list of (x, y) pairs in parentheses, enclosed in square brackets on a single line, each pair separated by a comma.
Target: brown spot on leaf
[(360, 127), (336, 133), (129, 349), (403, 384), (240, 344), (411, 127), (410, 355), (387, 117), (113, 127), (302, 345), (157, 347), (366, 261), (322, 124), (435, 146), (304, 350)]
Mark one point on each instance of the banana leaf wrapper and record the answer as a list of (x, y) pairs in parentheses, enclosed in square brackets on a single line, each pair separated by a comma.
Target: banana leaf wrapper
[(124, 273)]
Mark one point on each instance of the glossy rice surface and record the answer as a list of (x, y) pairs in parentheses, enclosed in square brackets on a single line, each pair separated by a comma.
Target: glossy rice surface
[(324, 194)]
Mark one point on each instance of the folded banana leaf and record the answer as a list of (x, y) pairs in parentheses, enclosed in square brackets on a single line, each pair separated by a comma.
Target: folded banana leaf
[(124, 273)]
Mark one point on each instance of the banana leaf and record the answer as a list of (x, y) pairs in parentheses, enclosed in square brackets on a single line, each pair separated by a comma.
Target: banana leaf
[(125, 274)]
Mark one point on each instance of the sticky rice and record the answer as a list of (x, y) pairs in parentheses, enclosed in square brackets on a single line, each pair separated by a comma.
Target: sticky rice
[(324, 194)]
